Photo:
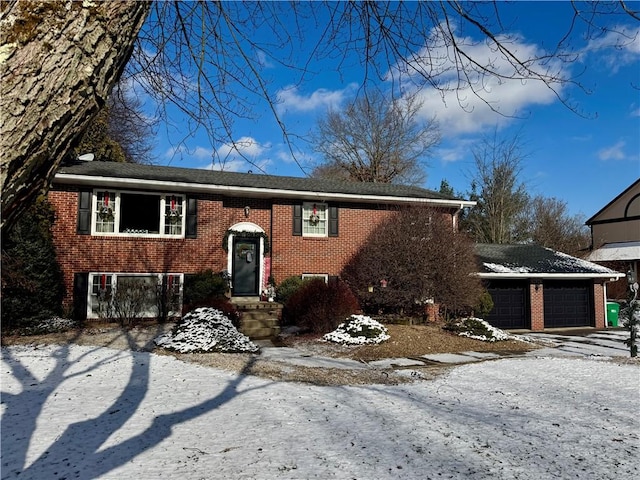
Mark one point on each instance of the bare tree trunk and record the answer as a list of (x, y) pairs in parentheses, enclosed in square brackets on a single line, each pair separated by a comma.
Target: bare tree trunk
[(58, 63)]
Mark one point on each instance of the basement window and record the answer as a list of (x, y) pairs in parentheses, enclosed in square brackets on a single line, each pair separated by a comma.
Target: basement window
[(129, 295)]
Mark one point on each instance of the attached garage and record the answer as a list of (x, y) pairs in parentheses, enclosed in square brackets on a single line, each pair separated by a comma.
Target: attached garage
[(568, 304), (510, 305), (535, 288)]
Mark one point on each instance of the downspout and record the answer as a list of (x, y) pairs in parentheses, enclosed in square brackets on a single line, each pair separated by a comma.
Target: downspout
[(604, 294), (455, 216), (270, 243)]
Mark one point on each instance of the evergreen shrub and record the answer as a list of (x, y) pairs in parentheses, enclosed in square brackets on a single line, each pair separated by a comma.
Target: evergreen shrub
[(288, 287), (32, 287), (202, 286)]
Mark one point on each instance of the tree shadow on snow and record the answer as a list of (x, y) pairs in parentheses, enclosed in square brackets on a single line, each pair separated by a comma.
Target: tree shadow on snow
[(79, 445)]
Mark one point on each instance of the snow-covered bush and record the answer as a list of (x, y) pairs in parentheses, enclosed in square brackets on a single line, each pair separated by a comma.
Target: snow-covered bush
[(206, 330), (50, 325), (358, 330), (478, 329)]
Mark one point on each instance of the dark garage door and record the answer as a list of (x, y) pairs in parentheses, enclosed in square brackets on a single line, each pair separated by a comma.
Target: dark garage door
[(510, 305), (567, 304)]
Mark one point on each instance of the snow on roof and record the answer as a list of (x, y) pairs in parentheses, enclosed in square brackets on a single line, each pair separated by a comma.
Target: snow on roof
[(564, 261), (497, 268), (533, 260)]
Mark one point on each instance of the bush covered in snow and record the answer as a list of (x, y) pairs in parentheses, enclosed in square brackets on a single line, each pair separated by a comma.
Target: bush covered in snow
[(206, 330), (358, 330), (49, 325), (478, 329)]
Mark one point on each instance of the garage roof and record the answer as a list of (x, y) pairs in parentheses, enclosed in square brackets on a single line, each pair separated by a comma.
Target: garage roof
[(534, 261)]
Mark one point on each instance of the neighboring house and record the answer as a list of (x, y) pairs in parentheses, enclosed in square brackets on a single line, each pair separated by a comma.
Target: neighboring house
[(535, 288), (615, 235), (119, 222)]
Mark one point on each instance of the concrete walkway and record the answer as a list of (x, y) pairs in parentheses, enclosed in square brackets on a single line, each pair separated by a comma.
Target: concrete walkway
[(602, 343)]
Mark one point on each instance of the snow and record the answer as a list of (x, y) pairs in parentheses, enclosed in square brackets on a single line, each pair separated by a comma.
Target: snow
[(497, 268), (205, 329), (358, 330), (87, 412), (573, 263)]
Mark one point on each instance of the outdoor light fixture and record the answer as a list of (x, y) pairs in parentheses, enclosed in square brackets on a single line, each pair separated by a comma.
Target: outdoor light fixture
[(631, 277), (247, 210)]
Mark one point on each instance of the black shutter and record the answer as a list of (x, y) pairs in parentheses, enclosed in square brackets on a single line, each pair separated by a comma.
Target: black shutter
[(297, 220), (85, 198), (333, 221), (192, 218), (80, 293)]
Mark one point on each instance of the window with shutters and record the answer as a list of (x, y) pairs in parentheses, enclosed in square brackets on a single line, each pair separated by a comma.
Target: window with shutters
[(138, 214), (314, 220)]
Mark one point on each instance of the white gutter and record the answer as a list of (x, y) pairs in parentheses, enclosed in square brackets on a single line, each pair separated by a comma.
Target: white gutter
[(611, 277), (230, 190)]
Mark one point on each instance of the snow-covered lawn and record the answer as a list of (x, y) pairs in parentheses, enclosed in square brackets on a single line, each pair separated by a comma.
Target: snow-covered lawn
[(87, 412)]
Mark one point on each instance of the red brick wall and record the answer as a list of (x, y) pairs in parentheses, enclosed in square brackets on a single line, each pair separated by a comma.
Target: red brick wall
[(87, 253), (600, 307), (294, 255), (290, 255), (536, 298)]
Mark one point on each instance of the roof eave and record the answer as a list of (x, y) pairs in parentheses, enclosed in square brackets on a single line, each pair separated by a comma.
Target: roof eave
[(613, 276), (113, 182)]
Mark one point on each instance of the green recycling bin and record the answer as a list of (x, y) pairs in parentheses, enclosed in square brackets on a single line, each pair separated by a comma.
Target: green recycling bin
[(613, 310)]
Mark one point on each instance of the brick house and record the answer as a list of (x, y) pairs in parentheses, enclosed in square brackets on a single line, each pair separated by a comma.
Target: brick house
[(154, 224)]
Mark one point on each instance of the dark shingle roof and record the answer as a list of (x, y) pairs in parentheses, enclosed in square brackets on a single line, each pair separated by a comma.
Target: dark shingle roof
[(532, 259), (247, 180)]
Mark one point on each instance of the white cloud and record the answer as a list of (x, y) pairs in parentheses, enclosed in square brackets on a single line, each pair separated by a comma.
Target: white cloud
[(290, 100), (472, 103), (242, 155), (245, 146), (263, 60), (614, 152), (619, 46), (455, 151), (197, 153)]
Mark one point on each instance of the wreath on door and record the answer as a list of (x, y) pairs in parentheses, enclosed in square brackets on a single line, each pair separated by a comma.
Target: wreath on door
[(239, 234)]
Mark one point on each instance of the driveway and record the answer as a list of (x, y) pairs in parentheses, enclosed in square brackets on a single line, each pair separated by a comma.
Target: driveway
[(601, 343)]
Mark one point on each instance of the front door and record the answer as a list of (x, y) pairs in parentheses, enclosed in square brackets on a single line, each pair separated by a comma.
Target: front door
[(246, 266)]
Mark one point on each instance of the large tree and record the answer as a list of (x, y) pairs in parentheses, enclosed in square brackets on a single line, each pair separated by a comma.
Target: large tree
[(552, 226), (375, 139), (500, 193), (58, 64), (59, 61), (120, 132)]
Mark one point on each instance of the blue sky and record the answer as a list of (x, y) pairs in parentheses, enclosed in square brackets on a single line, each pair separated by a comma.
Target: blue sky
[(584, 159)]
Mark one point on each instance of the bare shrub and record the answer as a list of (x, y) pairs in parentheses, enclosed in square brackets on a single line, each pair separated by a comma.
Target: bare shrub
[(133, 299), (320, 307), (414, 257)]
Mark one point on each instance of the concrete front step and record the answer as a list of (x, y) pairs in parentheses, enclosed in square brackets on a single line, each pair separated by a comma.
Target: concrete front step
[(256, 329), (259, 320)]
